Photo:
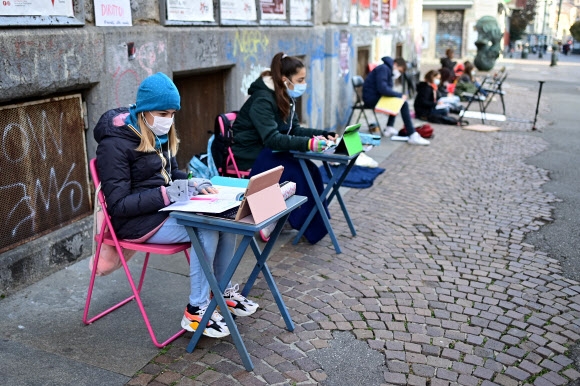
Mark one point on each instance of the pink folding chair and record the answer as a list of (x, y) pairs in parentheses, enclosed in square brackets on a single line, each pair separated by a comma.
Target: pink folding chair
[(107, 236), (231, 166)]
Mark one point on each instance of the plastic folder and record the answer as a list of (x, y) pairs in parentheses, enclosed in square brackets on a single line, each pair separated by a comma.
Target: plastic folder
[(389, 105)]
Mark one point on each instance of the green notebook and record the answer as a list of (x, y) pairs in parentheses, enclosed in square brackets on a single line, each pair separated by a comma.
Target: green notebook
[(350, 143)]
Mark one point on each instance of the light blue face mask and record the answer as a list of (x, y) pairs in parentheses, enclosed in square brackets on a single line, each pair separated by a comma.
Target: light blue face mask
[(299, 89)]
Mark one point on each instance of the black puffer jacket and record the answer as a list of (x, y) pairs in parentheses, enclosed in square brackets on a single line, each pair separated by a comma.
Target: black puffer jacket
[(379, 82), (425, 100), (131, 180), (259, 124)]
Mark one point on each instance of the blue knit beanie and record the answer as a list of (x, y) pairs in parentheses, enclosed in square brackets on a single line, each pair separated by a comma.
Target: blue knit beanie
[(157, 92)]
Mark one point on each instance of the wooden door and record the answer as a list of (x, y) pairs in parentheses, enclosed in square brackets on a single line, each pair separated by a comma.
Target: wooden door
[(362, 65), (202, 99)]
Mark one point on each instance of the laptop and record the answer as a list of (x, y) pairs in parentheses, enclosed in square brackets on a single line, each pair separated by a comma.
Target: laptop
[(262, 199)]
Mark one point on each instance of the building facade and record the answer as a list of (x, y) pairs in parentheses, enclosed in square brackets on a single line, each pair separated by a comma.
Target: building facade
[(65, 63), (451, 24)]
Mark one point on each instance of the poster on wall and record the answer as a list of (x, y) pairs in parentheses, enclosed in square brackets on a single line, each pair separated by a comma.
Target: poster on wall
[(190, 10), (376, 12), (113, 13), (238, 10), (386, 13), (364, 12), (353, 12), (344, 53), (37, 8), (301, 10), (273, 9)]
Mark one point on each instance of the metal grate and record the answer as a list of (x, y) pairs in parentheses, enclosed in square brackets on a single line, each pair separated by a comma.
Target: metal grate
[(449, 32), (44, 181)]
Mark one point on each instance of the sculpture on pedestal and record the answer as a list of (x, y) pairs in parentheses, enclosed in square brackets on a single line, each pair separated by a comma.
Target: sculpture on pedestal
[(488, 43)]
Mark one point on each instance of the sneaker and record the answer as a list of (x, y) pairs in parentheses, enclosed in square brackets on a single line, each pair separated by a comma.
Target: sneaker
[(237, 304), (374, 128), (366, 161), (390, 131), (216, 326), (416, 139)]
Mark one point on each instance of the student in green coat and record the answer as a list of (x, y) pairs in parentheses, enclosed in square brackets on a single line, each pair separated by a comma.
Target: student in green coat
[(268, 118), (267, 127)]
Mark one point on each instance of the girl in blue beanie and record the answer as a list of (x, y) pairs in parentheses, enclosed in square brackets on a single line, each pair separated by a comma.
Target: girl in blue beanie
[(137, 167)]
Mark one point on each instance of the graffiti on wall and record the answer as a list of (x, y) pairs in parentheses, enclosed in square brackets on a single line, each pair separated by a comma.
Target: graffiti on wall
[(32, 61), (253, 73), (248, 45), (249, 50), (127, 74), (43, 179)]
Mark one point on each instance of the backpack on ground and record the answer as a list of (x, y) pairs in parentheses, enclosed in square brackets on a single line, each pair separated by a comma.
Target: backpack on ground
[(425, 131), (443, 119)]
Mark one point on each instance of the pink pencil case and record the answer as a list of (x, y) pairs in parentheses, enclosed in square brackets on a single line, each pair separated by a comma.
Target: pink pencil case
[(288, 189)]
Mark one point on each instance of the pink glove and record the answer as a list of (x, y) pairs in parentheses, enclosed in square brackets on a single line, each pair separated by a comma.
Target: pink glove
[(316, 144)]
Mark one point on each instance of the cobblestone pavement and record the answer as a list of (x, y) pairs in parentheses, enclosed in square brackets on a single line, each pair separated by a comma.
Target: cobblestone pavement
[(438, 281)]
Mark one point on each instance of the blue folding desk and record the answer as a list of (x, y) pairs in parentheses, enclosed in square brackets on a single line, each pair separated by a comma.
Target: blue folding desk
[(334, 183), (192, 221)]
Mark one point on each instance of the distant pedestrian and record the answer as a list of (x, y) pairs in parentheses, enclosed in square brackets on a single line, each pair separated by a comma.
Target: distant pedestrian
[(447, 61)]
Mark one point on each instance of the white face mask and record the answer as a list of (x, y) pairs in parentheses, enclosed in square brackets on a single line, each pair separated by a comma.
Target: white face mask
[(161, 125), (473, 73), (396, 73), (437, 81)]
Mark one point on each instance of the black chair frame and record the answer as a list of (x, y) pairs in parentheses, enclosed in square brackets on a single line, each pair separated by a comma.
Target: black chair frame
[(357, 83)]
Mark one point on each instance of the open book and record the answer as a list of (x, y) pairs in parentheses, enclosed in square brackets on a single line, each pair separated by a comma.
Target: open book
[(227, 197)]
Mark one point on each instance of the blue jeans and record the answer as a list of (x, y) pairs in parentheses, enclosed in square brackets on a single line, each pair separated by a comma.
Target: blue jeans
[(406, 119), (218, 248)]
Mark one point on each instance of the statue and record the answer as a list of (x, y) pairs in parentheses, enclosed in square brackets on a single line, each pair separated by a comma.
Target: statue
[(488, 43)]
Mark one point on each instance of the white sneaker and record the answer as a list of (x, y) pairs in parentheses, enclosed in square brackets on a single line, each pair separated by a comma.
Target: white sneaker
[(390, 131), (416, 139), (238, 304), (366, 161)]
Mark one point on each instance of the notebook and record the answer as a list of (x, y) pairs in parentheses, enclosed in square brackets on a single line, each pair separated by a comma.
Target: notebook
[(389, 105), (262, 199), (350, 143)]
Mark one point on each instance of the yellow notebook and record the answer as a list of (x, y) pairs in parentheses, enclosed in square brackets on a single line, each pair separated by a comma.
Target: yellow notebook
[(389, 105)]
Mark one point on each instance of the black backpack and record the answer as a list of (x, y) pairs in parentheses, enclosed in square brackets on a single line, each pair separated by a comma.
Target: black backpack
[(443, 119), (221, 143)]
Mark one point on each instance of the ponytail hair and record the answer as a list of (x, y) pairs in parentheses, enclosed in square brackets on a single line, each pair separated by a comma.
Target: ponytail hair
[(283, 66)]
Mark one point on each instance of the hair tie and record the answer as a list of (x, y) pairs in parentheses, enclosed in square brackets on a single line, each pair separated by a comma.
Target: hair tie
[(284, 56)]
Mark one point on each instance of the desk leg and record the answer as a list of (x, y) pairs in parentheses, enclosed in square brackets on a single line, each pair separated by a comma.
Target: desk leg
[(318, 207), (218, 298), (336, 192), (261, 266), (262, 256)]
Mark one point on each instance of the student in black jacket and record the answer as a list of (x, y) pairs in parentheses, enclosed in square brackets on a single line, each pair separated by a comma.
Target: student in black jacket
[(379, 83), (427, 102), (139, 176)]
